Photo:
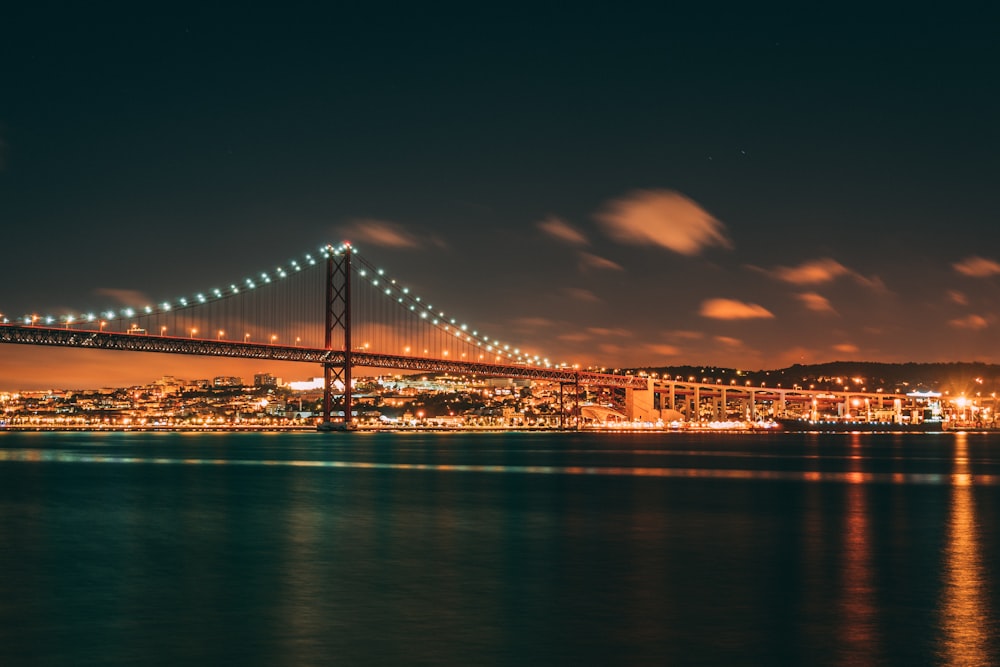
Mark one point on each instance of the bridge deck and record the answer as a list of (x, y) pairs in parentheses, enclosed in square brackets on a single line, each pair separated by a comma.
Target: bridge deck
[(109, 340)]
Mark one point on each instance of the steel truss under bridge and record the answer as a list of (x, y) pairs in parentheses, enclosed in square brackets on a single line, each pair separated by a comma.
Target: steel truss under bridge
[(126, 342)]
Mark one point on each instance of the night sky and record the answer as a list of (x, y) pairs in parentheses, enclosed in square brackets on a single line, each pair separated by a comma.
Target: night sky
[(613, 186)]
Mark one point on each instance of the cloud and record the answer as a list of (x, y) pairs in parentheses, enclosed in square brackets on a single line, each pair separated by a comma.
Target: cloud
[(728, 341), (821, 271), (591, 261), (126, 297), (561, 230), (847, 348), (663, 350), (813, 272), (380, 233), (958, 297), (730, 309), (574, 337), (815, 302), (581, 294), (977, 267), (973, 322), (665, 218)]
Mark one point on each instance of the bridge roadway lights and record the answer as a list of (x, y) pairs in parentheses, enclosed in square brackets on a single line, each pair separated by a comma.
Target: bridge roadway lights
[(126, 342), (130, 342)]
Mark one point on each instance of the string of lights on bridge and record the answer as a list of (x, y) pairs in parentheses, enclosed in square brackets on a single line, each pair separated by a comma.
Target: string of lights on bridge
[(389, 287)]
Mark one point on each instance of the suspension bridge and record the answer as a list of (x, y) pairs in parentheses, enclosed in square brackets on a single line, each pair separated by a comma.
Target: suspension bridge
[(334, 308)]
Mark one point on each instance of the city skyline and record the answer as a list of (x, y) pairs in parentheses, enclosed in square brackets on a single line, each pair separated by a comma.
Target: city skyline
[(623, 190)]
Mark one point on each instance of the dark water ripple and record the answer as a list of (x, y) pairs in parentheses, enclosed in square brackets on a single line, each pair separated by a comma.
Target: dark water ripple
[(534, 548)]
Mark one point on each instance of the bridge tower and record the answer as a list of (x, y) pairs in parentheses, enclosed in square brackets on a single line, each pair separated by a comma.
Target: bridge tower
[(338, 317)]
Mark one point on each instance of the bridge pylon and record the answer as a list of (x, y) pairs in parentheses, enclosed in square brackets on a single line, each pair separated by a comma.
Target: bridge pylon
[(338, 317)]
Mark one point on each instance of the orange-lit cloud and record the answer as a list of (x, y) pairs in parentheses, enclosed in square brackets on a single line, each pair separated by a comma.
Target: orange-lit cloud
[(730, 309), (728, 341), (591, 261), (581, 294), (380, 233), (663, 350), (813, 272), (821, 271), (977, 267), (815, 302), (973, 322), (125, 297), (561, 230), (574, 337), (846, 348), (665, 218), (958, 297)]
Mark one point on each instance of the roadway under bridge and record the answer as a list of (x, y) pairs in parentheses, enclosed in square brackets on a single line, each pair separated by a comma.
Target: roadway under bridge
[(664, 399)]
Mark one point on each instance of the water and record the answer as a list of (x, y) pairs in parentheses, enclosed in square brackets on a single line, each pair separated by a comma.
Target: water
[(499, 549)]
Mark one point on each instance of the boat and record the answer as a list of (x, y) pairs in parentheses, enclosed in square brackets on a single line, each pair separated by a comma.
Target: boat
[(848, 426)]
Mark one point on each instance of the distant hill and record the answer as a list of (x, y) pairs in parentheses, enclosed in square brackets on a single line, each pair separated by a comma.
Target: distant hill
[(956, 378)]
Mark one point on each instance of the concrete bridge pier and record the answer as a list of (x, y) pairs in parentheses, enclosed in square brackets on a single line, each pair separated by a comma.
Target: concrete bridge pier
[(639, 403)]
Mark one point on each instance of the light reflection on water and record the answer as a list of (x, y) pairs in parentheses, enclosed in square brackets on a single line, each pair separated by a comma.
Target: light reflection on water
[(860, 641), (965, 613), (851, 477), (839, 549)]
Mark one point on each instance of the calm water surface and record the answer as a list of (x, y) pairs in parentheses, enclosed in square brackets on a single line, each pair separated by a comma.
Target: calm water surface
[(509, 549)]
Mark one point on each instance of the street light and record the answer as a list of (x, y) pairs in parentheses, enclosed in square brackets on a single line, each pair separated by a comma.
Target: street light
[(193, 332), (221, 334), (274, 337), (246, 337), (163, 330)]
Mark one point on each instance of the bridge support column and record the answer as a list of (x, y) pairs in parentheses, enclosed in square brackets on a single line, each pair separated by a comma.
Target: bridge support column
[(639, 403), (562, 414), (576, 399), (338, 317)]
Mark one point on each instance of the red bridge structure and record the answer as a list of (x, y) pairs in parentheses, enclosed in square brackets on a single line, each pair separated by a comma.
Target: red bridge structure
[(334, 308)]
